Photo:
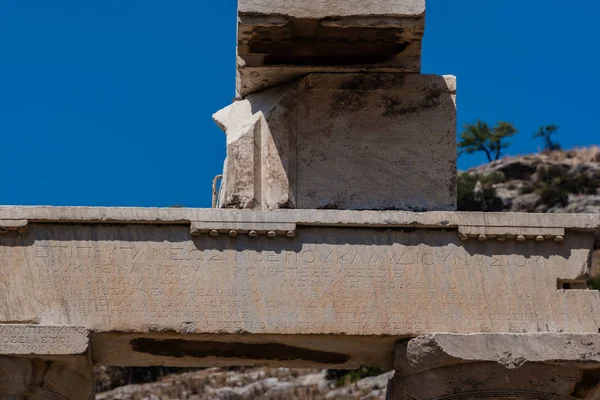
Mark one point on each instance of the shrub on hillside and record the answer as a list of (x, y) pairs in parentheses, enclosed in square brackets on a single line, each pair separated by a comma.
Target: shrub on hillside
[(555, 183), (344, 377), (476, 192)]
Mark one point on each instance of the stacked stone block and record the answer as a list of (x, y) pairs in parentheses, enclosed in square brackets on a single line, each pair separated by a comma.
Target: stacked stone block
[(332, 112)]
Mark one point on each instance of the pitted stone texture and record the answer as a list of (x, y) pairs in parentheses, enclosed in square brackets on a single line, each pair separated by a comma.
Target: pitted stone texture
[(589, 223), (132, 274), (493, 366), (491, 381), (64, 378), (301, 292), (43, 340), (319, 9), (509, 350), (343, 141), (280, 40)]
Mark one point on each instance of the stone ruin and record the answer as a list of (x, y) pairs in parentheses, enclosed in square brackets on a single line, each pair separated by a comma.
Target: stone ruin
[(336, 242)]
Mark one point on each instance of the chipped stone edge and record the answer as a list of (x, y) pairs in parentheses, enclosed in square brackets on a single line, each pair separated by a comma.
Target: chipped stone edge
[(509, 350), (322, 218), (37, 340)]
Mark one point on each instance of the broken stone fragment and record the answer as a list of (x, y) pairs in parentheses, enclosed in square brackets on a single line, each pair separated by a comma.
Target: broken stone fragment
[(42, 340), (497, 365), (369, 141), (280, 40), (509, 350), (45, 362)]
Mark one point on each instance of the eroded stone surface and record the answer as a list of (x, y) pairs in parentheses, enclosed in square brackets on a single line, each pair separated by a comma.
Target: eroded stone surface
[(146, 272), (222, 350), (144, 278), (41, 340), (317, 218), (509, 350), (65, 378), (279, 41), (490, 366), (493, 381), (318, 9), (343, 141)]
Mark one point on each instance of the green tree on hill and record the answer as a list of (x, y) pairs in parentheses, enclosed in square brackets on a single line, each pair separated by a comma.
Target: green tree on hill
[(546, 133), (491, 141)]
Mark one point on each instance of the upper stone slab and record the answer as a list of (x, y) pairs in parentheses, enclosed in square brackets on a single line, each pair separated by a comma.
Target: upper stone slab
[(280, 40), (333, 8)]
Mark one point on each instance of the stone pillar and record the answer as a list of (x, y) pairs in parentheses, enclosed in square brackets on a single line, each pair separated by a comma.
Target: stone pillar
[(332, 112), (45, 362), (497, 366)]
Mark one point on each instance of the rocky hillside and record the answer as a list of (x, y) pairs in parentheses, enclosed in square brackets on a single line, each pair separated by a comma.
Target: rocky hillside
[(556, 182), (251, 384), (560, 181)]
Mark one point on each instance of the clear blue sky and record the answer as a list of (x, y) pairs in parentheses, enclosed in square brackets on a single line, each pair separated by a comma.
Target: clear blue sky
[(109, 102)]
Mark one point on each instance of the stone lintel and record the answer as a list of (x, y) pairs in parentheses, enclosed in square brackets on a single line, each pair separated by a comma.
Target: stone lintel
[(315, 218), (143, 273), (42, 340)]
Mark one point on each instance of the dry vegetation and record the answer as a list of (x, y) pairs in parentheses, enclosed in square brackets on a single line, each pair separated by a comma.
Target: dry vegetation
[(257, 383)]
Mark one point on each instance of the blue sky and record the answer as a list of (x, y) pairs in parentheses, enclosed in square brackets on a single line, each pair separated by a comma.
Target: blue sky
[(109, 102)]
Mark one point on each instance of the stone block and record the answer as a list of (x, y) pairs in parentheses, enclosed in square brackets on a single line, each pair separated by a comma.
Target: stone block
[(343, 141), (40, 340), (333, 9), (498, 365), (165, 291), (281, 40), (511, 350)]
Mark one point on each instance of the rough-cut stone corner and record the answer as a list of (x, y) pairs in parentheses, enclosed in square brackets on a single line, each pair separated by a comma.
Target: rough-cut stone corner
[(280, 40), (343, 141), (521, 366)]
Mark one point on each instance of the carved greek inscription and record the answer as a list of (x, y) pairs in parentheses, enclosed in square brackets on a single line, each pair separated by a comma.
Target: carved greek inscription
[(347, 282), (31, 339)]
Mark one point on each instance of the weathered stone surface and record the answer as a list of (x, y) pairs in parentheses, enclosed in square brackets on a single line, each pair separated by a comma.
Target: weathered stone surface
[(41, 340), (44, 361), (520, 366), (494, 382), (316, 218), (88, 267), (318, 9), (343, 141), (223, 350), (509, 350), (65, 378), (279, 41)]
